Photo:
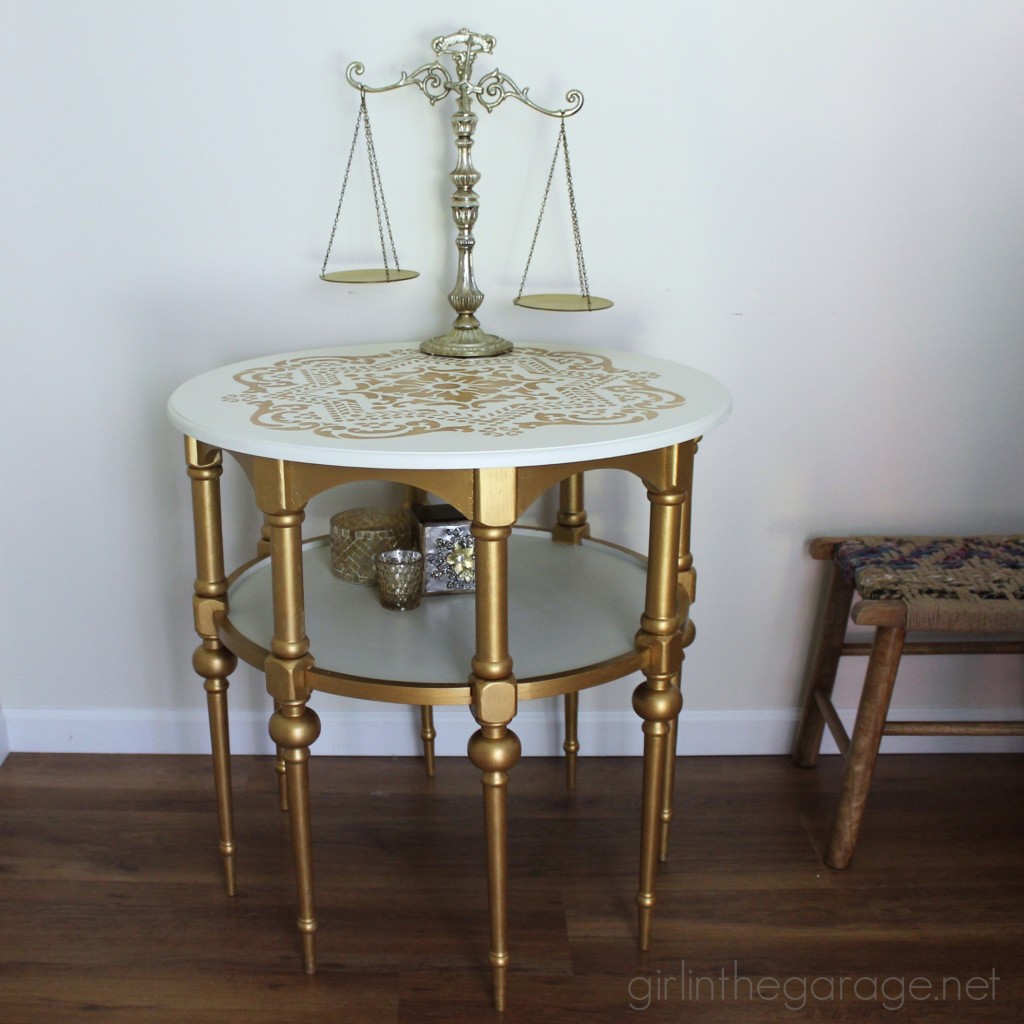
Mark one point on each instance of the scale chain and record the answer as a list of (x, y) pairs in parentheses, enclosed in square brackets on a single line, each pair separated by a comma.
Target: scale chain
[(581, 268), (540, 216), (378, 193), (344, 186), (580, 265), (378, 188)]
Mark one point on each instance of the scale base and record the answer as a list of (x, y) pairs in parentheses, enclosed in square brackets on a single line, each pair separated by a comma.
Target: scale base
[(466, 343)]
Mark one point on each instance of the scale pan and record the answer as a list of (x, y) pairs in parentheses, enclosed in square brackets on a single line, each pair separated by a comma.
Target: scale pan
[(564, 303), (374, 276)]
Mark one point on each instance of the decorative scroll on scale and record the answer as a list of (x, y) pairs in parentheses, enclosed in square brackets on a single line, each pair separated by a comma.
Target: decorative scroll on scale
[(466, 338)]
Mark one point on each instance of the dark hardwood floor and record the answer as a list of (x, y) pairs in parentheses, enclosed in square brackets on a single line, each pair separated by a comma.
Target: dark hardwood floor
[(112, 908)]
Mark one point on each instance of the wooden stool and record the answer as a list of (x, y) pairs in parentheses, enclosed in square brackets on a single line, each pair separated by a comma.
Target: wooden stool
[(971, 585)]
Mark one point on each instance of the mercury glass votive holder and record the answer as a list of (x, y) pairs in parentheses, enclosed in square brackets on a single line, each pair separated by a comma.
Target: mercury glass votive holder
[(399, 579), (358, 535)]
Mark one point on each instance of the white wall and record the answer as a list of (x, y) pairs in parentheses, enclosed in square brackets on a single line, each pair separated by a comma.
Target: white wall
[(822, 204)]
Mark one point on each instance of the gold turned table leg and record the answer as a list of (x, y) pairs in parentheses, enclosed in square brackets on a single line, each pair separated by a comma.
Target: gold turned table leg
[(281, 770), (571, 527), (212, 660), (263, 544), (494, 748), (294, 727), (571, 746), (657, 700), (418, 496), (262, 551), (428, 734), (687, 593), (668, 791), (216, 663)]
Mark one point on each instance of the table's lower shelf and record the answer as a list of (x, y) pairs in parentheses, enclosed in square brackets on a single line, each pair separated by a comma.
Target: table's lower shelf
[(573, 614)]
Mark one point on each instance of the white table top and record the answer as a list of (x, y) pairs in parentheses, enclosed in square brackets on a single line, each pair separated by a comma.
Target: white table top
[(389, 406)]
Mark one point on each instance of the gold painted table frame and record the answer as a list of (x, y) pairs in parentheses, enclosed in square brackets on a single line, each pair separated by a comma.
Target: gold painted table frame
[(493, 499)]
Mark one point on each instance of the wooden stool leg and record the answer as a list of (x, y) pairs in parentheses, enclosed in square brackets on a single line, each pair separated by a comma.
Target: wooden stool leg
[(428, 734), (827, 652), (864, 744)]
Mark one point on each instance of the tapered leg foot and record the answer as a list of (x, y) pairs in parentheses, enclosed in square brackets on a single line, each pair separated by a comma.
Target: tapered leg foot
[(279, 768), (571, 746), (657, 707), (308, 932), (282, 784), (658, 700), (665, 823), (499, 966), (494, 749), (212, 660), (294, 727), (215, 662), (428, 734)]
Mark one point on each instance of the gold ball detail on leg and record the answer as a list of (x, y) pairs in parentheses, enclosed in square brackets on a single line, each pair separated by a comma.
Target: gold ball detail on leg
[(494, 753), (657, 705), (213, 662), (293, 731)]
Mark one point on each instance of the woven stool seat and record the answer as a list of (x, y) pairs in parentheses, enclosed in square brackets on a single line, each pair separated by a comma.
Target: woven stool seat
[(958, 584)]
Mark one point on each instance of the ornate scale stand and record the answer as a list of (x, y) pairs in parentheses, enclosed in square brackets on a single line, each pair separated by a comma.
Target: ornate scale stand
[(466, 339)]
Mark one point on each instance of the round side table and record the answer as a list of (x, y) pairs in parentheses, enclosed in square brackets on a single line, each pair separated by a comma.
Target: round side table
[(488, 436)]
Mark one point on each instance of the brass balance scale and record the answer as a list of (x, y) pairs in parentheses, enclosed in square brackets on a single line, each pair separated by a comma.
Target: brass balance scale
[(466, 339)]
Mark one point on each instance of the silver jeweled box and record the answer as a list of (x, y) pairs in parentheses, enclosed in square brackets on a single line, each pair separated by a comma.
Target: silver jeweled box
[(449, 562)]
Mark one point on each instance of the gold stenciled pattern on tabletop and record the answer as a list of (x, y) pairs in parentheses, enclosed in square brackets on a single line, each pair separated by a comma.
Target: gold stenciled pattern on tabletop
[(404, 392)]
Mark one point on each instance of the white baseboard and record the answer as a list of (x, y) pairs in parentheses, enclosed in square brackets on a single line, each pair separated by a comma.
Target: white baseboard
[(394, 731)]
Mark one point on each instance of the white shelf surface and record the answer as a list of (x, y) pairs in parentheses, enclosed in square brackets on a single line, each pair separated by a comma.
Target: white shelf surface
[(569, 607)]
